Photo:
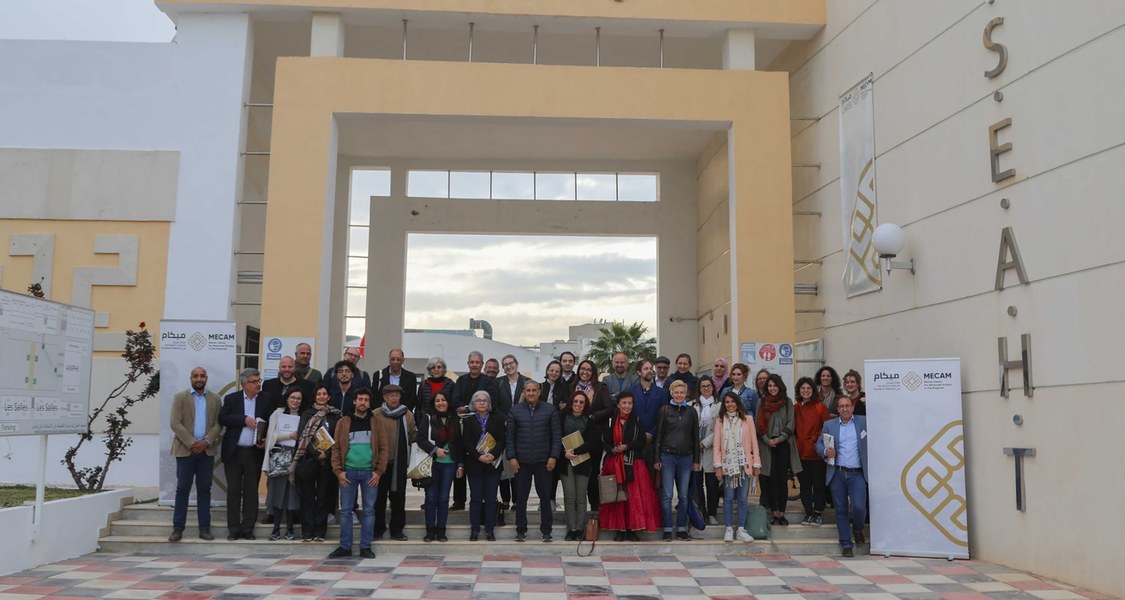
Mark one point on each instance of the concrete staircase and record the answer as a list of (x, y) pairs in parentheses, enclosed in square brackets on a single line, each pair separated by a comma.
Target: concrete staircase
[(145, 528)]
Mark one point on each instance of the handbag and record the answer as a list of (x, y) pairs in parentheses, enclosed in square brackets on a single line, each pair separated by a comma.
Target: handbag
[(281, 457), (608, 490), (421, 465), (695, 517), (757, 522), (592, 532)]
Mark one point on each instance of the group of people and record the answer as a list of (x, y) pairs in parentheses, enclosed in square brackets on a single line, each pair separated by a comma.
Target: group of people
[(344, 440)]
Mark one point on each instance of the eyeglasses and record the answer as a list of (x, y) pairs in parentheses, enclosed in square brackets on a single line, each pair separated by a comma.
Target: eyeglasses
[(254, 381), (509, 364)]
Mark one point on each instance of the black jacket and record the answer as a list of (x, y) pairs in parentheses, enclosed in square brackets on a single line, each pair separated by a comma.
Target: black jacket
[(465, 450), (534, 434), (677, 431), (276, 391), (502, 400), (232, 416), (425, 399), (466, 386), (592, 443), (407, 380)]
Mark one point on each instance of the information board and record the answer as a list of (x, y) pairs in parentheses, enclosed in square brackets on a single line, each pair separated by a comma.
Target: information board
[(45, 364)]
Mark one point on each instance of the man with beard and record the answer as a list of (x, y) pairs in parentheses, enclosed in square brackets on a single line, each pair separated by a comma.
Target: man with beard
[(621, 379), (648, 397), (567, 360), (344, 387), (394, 374), (195, 433), (303, 356), (463, 390), (492, 368), (286, 378), (359, 461)]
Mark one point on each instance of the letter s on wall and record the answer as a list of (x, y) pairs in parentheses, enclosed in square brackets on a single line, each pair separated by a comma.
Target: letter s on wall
[(997, 47)]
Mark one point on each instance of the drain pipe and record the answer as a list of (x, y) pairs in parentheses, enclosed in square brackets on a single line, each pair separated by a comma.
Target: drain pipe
[(482, 325)]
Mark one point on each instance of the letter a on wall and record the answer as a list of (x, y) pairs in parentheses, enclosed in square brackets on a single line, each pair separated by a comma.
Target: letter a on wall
[(857, 189)]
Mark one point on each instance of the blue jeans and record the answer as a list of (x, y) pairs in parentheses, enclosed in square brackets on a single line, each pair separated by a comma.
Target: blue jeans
[(844, 486), (675, 469), (197, 467), (732, 495), (357, 480), (437, 494), (538, 473), (482, 499)]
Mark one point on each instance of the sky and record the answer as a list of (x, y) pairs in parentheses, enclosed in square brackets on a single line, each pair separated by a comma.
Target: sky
[(529, 288)]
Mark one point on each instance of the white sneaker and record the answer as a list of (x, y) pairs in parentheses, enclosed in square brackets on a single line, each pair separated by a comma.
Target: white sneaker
[(729, 535), (744, 536)]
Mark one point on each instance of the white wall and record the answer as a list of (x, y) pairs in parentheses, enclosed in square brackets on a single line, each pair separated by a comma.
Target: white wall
[(70, 528), (933, 106)]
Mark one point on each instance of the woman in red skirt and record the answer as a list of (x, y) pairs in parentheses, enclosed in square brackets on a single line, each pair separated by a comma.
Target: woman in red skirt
[(624, 443)]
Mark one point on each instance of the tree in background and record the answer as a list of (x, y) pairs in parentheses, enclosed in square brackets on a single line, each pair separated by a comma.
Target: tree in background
[(617, 337)]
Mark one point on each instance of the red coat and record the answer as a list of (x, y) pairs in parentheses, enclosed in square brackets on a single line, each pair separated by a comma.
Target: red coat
[(810, 417)]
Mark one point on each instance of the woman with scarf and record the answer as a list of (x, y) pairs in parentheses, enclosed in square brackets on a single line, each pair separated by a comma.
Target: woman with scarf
[(318, 486), (480, 465), (438, 427), (719, 374), (397, 424), (576, 478), (430, 386), (282, 500), (624, 443), (706, 482), (775, 424), (600, 408), (736, 461)]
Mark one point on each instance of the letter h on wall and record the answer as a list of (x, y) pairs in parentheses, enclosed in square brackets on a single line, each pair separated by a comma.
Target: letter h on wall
[(1024, 363)]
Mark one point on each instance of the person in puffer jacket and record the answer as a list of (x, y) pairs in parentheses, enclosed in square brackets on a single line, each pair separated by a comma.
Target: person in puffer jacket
[(534, 443)]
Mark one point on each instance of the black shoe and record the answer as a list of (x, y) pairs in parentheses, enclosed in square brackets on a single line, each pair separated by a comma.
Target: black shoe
[(547, 539), (457, 506), (399, 537), (500, 518), (441, 535), (858, 535), (275, 535), (429, 535), (248, 536), (619, 536), (233, 535), (205, 534), (289, 535), (491, 537), (340, 553), (783, 521), (177, 535), (474, 536), (683, 536), (848, 552), (521, 537), (366, 553), (667, 536), (632, 536)]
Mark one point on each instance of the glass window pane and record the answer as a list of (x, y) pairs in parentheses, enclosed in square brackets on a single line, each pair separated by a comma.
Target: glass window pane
[(357, 302), (360, 210), (554, 186), (597, 186), (357, 271), (355, 327), (357, 241), (469, 184), (427, 184), (637, 187), (513, 186), (372, 182)]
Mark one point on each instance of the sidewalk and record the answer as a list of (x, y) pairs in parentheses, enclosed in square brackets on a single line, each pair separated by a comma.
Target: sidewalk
[(510, 576)]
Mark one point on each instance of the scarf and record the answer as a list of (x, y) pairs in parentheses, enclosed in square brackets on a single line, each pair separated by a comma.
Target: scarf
[(706, 410), (584, 387), (770, 405), (397, 445), (483, 420), (720, 381), (620, 465), (447, 431), (734, 455), (306, 436)]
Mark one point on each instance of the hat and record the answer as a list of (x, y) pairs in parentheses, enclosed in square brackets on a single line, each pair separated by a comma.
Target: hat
[(392, 388), (661, 360)]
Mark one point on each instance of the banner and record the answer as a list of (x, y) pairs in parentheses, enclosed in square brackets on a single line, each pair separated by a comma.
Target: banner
[(857, 189), (775, 358), (277, 347), (916, 457), (185, 345)]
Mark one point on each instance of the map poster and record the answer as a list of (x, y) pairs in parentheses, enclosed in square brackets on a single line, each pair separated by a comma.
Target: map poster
[(917, 481), (185, 345)]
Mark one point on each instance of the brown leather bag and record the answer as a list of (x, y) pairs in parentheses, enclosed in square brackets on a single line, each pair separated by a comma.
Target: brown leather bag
[(593, 530)]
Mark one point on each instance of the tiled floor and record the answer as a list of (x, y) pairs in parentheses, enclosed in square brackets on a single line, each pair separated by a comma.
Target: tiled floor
[(500, 577)]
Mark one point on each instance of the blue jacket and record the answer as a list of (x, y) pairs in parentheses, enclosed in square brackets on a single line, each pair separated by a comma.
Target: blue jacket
[(832, 427), (534, 434), (647, 405)]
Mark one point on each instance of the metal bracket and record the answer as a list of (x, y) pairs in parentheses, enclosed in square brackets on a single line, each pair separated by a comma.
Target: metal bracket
[(1021, 491)]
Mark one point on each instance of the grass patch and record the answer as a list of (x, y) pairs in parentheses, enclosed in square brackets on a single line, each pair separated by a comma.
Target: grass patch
[(15, 495)]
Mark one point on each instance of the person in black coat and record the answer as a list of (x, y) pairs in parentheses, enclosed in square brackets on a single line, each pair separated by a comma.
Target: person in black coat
[(393, 373), (243, 451), (481, 469)]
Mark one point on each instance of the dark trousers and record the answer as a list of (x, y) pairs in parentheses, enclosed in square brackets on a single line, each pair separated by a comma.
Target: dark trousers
[(707, 493), (775, 486), (398, 503), (243, 470), (197, 468), (813, 488), (318, 498), (459, 489), (505, 488), (538, 473), (593, 494), (482, 502)]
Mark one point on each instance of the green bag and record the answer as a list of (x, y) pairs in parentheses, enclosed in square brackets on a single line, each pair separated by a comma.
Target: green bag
[(758, 521)]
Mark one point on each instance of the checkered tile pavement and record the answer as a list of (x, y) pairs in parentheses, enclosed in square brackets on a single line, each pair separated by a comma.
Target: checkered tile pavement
[(503, 577)]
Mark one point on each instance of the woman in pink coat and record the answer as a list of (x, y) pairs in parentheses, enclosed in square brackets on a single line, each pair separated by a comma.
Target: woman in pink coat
[(737, 462)]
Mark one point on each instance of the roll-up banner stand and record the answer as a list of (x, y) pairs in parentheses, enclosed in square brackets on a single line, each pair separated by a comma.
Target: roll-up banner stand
[(916, 454)]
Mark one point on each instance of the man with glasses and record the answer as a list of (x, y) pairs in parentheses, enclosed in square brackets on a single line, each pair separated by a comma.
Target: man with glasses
[(846, 455), (243, 451), (360, 378)]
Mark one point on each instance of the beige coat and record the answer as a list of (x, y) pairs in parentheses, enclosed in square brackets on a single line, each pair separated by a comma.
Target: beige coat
[(183, 423)]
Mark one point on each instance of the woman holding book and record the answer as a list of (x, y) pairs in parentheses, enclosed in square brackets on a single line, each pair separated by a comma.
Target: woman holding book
[(282, 500), (624, 443), (318, 486), (580, 441), (477, 451)]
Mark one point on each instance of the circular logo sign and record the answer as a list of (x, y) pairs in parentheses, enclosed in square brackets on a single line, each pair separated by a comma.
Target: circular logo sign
[(768, 352), (274, 345), (785, 350)]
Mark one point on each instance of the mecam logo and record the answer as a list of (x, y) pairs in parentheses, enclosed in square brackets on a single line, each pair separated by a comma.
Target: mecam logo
[(197, 341), (911, 381)]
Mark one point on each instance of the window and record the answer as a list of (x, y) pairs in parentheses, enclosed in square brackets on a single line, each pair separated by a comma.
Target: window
[(365, 183), (508, 185)]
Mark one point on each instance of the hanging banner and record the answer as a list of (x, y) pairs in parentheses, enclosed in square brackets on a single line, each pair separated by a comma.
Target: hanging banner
[(277, 347), (857, 189), (185, 345), (916, 457), (773, 357)]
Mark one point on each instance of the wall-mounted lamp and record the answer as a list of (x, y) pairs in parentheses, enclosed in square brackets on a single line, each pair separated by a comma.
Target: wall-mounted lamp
[(888, 241)]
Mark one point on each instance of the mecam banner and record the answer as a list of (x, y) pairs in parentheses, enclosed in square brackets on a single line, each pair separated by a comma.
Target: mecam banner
[(185, 345), (916, 457), (857, 189)]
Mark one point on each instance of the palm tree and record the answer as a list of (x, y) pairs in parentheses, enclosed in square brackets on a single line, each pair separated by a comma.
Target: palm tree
[(617, 337)]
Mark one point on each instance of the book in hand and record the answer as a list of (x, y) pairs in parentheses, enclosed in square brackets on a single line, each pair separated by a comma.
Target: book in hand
[(829, 442), (322, 440), (486, 444), (573, 441)]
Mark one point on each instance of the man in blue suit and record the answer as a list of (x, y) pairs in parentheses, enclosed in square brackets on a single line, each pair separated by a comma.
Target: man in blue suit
[(847, 478)]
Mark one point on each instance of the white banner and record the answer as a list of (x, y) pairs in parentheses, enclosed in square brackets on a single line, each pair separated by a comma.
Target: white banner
[(775, 358), (916, 457), (857, 189), (277, 347), (185, 345)]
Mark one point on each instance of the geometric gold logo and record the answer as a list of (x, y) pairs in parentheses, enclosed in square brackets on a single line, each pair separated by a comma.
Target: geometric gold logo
[(197, 341), (926, 483), (911, 381)]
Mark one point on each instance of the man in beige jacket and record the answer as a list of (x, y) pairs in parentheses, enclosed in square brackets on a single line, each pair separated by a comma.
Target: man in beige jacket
[(195, 430)]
